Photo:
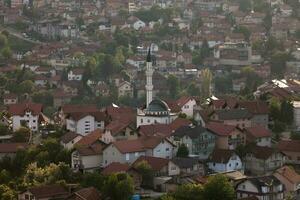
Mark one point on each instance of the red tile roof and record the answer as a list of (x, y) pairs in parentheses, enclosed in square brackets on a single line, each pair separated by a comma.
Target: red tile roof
[(155, 162), (10, 96), (90, 193), (255, 107), (116, 126), (48, 191), (94, 149), (138, 145), (91, 138), (258, 132), (152, 129), (21, 108), (67, 109), (179, 122), (220, 129), (12, 147), (289, 145), (99, 115), (115, 167), (183, 100)]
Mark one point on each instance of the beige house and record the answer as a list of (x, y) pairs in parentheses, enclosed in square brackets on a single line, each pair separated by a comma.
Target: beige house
[(228, 136), (290, 180), (263, 160), (291, 148), (125, 89), (128, 151)]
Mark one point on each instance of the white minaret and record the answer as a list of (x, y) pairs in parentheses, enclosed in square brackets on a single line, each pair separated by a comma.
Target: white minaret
[(149, 74)]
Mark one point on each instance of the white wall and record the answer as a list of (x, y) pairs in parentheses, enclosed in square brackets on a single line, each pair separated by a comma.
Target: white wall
[(163, 150), (32, 121), (188, 108)]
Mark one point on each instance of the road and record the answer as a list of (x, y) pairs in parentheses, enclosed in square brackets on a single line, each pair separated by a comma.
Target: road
[(19, 35)]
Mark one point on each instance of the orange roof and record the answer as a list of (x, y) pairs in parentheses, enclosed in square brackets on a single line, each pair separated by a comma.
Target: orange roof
[(91, 138), (115, 167), (21, 108)]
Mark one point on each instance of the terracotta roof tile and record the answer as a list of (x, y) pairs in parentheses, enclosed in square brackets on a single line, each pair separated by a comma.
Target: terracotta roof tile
[(21, 108), (220, 129), (47, 191), (115, 167), (258, 132), (89, 193), (68, 137), (12, 147), (155, 162), (221, 155), (289, 145), (68, 108), (290, 174)]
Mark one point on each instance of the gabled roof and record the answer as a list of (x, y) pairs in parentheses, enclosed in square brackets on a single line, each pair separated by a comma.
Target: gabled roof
[(221, 155), (184, 163), (89, 193), (264, 181), (47, 191), (94, 149), (155, 162), (116, 126), (183, 100), (192, 132), (69, 108), (12, 147), (258, 132), (138, 145), (288, 173), (233, 114), (98, 115), (262, 152), (115, 167), (179, 122), (289, 145), (69, 136), (91, 138), (21, 108), (220, 129), (152, 129), (255, 107)]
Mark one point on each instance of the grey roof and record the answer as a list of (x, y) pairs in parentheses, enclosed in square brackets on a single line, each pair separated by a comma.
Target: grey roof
[(185, 162), (68, 137), (192, 132), (260, 182), (233, 114), (157, 107)]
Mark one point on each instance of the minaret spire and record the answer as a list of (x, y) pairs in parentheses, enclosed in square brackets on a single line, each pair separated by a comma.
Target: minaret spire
[(149, 74)]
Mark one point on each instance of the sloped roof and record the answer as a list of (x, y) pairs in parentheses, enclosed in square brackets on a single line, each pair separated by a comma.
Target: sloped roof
[(94, 149), (262, 152), (89, 193), (233, 114), (185, 162), (221, 155), (21, 108), (289, 145), (47, 191), (115, 167), (12, 147), (288, 173), (192, 132), (220, 129), (258, 131), (255, 107), (155, 162), (69, 108), (91, 138), (69, 136)]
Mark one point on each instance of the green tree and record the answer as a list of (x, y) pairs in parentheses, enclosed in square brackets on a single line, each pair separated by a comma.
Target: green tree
[(245, 5), (7, 193), (173, 84), (182, 151), (287, 112), (94, 179), (118, 187), (6, 53), (243, 30), (26, 86), (193, 90), (189, 192), (146, 171), (218, 187), (4, 130), (44, 97), (206, 77), (278, 63), (3, 41), (21, 135)]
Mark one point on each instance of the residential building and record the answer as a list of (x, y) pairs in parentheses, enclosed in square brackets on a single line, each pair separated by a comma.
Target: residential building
[(264, 188), (234, 54), (44, 192), (189, 165), (26, 114), (291, 149), (69, 139), (290, 179), (85, 122), (224, 160), (259, 135), (125, 89), (199, 141), (235, 117), (127, 151), (10, 149), (10, 98), (187, 104), (263, 160), (227, 136)]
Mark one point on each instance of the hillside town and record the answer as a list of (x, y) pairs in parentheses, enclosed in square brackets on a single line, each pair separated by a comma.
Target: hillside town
[(147, 99)]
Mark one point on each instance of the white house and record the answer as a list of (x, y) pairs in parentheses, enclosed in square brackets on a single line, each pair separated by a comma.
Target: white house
[(75, 74), (69, 139), (125, 89), (127, 151), (259, 135), (222, 160), (26, 114), (84, 123), (10, 99), (187, 105), (137, 61), (87, 158), (135, 23)]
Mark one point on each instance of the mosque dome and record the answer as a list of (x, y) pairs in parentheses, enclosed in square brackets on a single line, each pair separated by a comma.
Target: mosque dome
[(157, 108)]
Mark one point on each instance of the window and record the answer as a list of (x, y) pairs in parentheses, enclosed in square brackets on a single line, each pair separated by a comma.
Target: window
[(148, 120), (244, 186), (136, 154), (167, 149), (230, 165), (33, 121), (127, 156), (142, 121), (27, 196)]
